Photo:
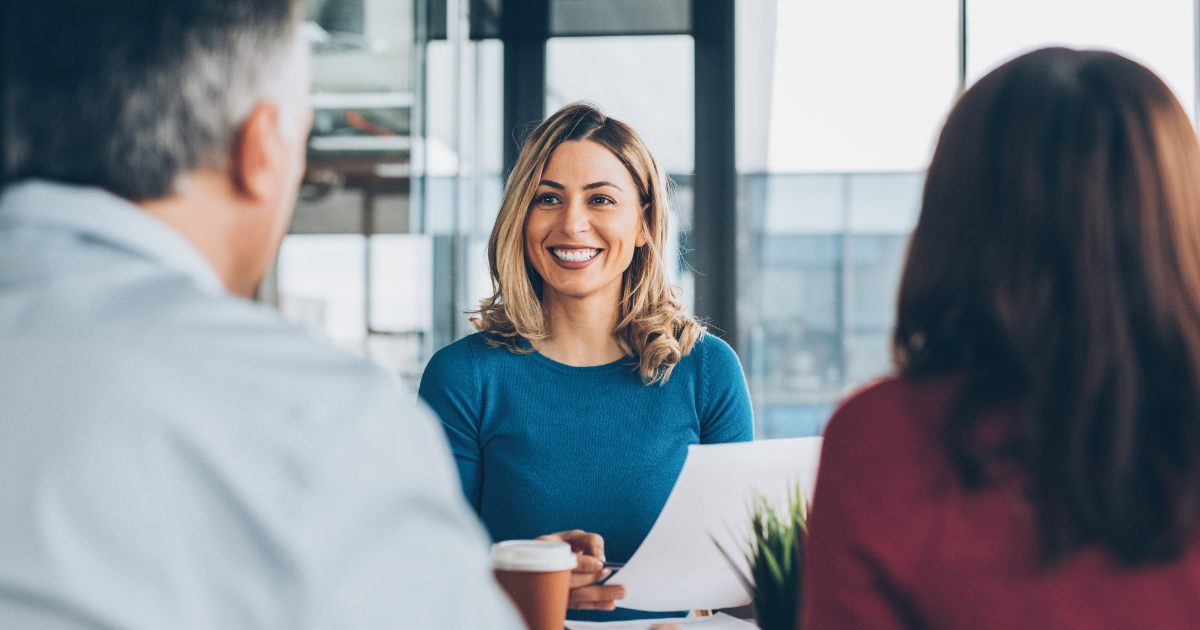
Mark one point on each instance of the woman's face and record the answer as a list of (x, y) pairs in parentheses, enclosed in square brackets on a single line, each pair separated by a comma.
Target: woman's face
[(584, 223)]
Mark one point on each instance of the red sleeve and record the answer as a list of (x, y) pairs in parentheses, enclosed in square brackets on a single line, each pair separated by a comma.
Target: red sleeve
[(867, 524)]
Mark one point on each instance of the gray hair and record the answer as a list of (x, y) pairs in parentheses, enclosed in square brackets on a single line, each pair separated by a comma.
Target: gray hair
[(130, 94)]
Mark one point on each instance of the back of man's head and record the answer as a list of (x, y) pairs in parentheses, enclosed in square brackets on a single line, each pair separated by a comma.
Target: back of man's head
[(128, 95)]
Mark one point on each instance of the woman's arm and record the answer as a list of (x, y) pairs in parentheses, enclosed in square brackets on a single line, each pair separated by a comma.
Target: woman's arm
[(725, 411), (450, 386)]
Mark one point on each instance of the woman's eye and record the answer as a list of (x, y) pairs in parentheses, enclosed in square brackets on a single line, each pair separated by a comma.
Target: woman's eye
[(543, 200), (602, 200)]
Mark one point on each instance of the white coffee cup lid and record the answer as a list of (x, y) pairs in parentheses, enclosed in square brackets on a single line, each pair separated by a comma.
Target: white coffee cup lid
[(532, 555)]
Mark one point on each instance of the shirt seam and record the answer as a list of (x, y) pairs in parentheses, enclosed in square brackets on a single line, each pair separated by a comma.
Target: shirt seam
[(477, 384)]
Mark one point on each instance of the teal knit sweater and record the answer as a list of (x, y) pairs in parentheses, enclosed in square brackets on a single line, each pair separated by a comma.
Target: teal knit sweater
[(545, 447)]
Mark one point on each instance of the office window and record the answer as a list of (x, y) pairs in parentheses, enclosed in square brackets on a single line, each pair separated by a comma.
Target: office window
[(462, 181), (321, 286), (831, 187), (357, 268)]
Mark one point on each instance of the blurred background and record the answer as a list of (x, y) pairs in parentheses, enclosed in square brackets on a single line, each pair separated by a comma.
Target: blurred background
[(796, 132)]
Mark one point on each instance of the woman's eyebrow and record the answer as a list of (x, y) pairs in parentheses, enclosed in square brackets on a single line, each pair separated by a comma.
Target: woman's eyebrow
[(601, 185), (558, 186)]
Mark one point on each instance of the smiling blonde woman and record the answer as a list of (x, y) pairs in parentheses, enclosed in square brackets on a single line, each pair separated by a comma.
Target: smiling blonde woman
[(574, 405)]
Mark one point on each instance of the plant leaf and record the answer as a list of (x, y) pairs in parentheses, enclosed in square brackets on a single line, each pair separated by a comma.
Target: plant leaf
[(745, 581)]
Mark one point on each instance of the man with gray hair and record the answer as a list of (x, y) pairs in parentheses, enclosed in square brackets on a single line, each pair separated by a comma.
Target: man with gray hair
[(173, 455)]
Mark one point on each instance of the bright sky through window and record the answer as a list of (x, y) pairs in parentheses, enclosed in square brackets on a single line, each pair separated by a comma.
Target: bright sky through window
[(1156, 33), (861, 86), (864, 86)]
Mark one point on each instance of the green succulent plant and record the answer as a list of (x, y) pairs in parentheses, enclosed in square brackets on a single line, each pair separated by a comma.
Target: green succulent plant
[(774, 551)]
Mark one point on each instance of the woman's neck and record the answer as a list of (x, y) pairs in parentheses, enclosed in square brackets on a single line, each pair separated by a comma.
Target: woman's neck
[(581, 330)]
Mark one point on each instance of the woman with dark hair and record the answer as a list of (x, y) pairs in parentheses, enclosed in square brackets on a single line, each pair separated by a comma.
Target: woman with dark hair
[(1036, 462)]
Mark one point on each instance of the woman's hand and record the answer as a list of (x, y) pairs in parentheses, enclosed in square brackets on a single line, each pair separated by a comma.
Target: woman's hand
[(589, 552)]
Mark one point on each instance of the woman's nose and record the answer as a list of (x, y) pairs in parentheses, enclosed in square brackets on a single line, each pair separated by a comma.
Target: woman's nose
[(575, 219)]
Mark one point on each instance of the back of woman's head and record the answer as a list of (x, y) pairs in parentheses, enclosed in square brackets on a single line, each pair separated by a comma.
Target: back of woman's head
[(1057, 263)]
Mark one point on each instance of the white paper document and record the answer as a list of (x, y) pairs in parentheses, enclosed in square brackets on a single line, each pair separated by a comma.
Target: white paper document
[(719, 621), (678, 567)]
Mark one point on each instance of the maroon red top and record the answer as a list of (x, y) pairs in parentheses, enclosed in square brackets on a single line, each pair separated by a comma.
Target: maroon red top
[(895, 542)]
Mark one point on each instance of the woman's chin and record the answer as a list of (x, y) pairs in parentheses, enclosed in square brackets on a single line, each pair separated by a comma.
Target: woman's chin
[(576, 291), (573, 293)]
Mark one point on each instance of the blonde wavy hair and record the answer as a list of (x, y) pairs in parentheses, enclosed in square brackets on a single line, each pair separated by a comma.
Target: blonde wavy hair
[(651, 324)]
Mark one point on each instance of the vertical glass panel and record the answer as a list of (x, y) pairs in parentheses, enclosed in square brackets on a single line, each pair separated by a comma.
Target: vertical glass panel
[(831, 189), (754, 56), (401, 302), (401, 283), (358, 181), (645, 82), (861, 86), (882, 209), (321, 285), (1157, 33), (462, 184)]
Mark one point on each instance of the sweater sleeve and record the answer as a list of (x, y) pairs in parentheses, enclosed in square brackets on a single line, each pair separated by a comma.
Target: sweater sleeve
[(725, 411), (450, 386)]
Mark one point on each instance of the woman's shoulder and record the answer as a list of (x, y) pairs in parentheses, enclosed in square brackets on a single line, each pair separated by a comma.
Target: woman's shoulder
[(713, 354), (453, 355), (712, 344), (920, 394), (473, 352), (893, 417), (897, 398), (458, 363)]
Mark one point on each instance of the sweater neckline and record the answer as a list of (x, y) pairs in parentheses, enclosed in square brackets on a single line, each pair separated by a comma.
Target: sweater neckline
[(624, 363)]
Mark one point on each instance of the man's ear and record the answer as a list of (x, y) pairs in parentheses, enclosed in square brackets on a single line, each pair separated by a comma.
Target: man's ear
[(258, 154)]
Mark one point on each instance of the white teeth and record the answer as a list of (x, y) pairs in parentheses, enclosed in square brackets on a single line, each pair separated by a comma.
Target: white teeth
[(575, 255)]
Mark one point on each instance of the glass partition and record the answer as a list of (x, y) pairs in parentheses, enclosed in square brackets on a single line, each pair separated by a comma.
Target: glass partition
[(857, 95)]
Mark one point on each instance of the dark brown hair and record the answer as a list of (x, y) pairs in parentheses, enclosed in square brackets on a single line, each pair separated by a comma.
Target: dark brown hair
[(1056, 265)]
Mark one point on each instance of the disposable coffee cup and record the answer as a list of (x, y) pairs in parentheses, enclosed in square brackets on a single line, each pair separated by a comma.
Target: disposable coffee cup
[(536, 574)]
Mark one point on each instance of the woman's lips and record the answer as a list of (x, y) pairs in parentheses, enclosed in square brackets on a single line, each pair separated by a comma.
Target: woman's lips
[(574, 257)]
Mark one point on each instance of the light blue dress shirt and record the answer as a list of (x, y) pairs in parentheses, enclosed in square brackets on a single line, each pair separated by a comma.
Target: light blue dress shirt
[(174, 457)]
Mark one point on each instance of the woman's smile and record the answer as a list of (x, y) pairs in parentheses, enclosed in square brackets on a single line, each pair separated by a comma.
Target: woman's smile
[(575, 257)]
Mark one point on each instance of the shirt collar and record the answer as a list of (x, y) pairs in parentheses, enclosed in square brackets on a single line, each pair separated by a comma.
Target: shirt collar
[(105, 217)]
